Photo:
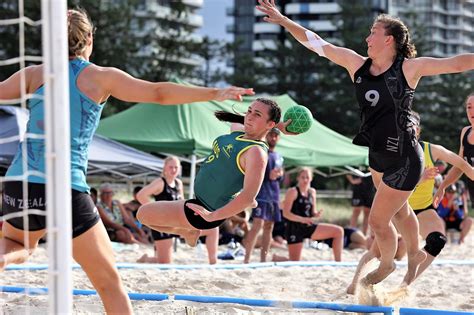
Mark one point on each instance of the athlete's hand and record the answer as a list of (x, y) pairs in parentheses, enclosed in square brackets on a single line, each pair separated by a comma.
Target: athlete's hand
[(429, 173), (318, 214), (282, 126), (254, 204), (269, 8), (203, 212), (438, 196), (306, 220), (276, 173), (233, 93)]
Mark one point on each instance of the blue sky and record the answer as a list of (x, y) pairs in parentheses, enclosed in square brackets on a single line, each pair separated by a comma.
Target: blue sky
[(215, 19)]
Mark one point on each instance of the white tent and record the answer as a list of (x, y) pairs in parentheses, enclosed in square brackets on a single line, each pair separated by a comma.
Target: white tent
[(106, 157)]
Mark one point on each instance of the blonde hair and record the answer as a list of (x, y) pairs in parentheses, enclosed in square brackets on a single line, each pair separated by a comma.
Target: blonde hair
[(305, 169), (169, 159), (80, 30), (172, 158)]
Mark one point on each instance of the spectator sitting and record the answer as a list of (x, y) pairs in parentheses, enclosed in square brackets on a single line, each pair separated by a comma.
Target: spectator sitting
[(353, 238), (94, 195), (234, 228), (133, 205), (452, 211), (299, 208), (116, 219)]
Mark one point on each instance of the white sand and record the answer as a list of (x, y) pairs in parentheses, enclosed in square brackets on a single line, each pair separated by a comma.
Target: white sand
[(441, 287)]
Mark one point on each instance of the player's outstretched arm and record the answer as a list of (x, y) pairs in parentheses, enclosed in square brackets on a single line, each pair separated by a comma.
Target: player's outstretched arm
[(344, 57), (123, 86)]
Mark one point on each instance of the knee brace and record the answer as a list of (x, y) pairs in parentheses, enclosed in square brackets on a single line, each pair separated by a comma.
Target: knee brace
[(435, 242)]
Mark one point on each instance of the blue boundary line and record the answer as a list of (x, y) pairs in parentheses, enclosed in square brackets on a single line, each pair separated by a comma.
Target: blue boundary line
[(386, 310), (239, 266), (43, 291)]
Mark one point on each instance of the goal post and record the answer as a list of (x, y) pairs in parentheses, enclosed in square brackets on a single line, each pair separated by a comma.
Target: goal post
[(57, 154)]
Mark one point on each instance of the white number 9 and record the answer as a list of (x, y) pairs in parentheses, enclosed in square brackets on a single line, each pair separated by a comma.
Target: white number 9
[(372, 96)]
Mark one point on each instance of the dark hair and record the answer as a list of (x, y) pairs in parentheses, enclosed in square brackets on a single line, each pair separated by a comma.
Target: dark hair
[(274, 112), (137, 189), (467, 98), (395, 27), (451, 188), (93, 191), (416, 118)]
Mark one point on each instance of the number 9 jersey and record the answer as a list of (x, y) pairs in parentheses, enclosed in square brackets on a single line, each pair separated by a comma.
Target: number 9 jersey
[(385, 104)]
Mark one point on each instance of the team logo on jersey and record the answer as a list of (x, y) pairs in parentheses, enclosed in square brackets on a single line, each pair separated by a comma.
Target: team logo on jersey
[(359, 80), (228, 149)]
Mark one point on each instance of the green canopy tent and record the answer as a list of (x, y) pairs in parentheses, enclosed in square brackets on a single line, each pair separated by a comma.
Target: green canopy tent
[(189, 129)]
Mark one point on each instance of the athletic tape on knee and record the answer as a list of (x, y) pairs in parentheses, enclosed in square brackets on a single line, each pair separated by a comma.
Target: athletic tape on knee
[(435, 242), (315, 44)]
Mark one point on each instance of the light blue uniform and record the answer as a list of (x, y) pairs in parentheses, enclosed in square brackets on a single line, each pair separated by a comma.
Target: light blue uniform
[(85, 116)]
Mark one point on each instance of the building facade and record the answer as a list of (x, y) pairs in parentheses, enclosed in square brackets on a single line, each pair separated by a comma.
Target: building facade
[(449, 23)]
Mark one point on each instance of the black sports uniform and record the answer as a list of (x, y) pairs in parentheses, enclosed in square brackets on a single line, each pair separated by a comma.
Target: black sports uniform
[(169, 193), (387, 126), (468, 154), (296, 232)]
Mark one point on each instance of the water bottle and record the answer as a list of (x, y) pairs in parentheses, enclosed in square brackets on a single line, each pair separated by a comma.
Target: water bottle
[(279, 162), (232, 244), (322, 246), (306, 243)]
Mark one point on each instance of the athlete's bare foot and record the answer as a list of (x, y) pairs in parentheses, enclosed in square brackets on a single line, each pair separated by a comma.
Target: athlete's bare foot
[(147, 259), (379, 274), (351, 289), (414, 262), (191, 237)]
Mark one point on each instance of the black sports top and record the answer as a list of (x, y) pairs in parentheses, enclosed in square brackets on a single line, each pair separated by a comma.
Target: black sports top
[(385, 104), (169, 193), (468, 149), (303, 205)]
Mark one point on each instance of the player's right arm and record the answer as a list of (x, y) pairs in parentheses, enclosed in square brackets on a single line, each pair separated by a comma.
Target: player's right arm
[(452, 176), (342, 56), (441, 153), (290, 197), (154, 188)]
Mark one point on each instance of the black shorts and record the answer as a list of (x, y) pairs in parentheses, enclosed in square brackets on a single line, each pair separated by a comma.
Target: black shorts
[(362, 199), (159, 236), (196, 220), (454, 224), (399, 172), (297, 232), (84, 212), (418, 211), (470, 188), (279, 228)]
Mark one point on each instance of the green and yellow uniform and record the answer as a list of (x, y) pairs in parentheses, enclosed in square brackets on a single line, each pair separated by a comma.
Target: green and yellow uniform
[(221, 177), (422, 196)]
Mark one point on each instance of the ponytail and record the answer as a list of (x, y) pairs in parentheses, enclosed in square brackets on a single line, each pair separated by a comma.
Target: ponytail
[(408, 49), (229, 117), (274, 112)]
